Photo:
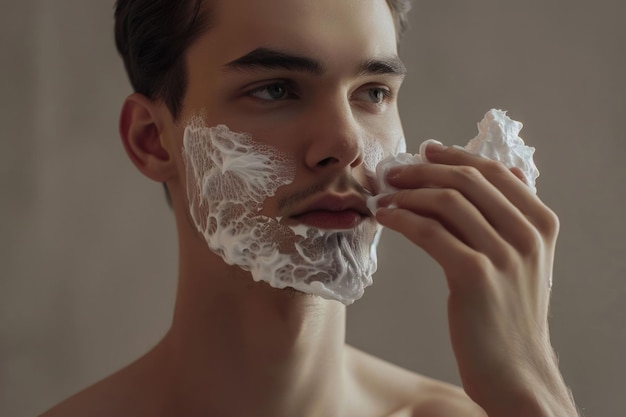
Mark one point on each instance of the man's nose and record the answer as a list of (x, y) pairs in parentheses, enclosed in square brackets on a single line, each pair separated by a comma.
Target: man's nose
[(334, 137)]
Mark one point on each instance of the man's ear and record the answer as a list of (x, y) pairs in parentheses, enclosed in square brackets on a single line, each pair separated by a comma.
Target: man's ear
[(141, 124)]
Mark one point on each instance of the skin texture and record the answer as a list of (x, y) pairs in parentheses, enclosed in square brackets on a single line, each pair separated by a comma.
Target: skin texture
[(240, 348)]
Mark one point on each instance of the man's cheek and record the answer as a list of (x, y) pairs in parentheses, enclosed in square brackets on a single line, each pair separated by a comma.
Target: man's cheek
[(375, 150)]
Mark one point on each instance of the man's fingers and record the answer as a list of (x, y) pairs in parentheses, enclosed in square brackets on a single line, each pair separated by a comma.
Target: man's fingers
[(505, 180), (456, 214), (461, 264), (499, 212), (519, 174)]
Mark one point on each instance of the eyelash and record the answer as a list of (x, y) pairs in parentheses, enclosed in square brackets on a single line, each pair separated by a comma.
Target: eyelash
[(286, 85), (386, 93), (290, 92)]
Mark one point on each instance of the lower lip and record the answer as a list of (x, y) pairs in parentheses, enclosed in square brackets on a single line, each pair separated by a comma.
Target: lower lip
[(333, 220)]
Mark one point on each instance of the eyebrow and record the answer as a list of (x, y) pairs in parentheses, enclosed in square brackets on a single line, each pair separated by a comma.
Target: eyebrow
[(389, 65), (269, 59)]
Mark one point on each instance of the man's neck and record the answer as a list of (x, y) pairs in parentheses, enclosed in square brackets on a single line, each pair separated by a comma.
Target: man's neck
[(243, 348)]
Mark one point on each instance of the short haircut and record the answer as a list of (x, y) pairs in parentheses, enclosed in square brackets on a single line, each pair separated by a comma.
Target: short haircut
[(152, 36)]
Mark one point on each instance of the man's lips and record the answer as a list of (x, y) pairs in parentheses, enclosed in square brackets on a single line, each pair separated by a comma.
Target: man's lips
[(334, 212), (334, 220)]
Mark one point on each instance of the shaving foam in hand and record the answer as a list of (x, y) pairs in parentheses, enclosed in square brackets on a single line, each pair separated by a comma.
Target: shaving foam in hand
[(497, 139)]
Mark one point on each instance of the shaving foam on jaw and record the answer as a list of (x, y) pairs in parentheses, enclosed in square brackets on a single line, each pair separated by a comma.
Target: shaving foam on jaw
[(229, 176), (497, 139)]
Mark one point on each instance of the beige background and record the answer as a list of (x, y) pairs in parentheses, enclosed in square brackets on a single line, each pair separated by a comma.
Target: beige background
[(87, 262)]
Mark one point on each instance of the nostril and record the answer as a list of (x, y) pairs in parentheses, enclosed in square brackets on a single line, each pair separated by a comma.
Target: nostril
[(326, 161)]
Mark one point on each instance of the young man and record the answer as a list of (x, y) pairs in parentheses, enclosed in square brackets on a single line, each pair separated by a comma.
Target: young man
[(314, 83)]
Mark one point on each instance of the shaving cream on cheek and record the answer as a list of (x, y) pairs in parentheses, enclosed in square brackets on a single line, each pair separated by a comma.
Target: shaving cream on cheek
[(373, 153), (229, 176)]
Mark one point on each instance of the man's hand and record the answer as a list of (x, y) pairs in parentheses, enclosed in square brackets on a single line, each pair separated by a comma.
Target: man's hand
[(495, 241)]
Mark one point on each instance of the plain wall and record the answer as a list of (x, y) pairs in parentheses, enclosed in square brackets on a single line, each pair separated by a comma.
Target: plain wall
[(87, 245)]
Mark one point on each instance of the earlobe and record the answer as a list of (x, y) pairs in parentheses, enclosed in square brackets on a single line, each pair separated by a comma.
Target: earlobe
[(140, 129)]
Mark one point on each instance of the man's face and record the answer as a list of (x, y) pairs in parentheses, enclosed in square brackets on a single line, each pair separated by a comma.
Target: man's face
[(315, 80)]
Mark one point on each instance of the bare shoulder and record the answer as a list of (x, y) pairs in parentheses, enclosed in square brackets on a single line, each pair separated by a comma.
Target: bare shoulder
[(92, 401), (104, 398), (129, 392), (405, 393)]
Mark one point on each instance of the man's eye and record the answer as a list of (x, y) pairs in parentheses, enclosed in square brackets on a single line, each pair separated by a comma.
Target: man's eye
[(375, 95), (378, 95), (272, 92)]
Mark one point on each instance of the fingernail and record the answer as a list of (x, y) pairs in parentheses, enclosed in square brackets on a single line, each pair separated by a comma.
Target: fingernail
[(394, 172), (435, 146)]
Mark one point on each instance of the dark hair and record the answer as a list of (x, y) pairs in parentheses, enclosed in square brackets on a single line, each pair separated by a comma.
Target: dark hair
[(152, 36), (400, 10)]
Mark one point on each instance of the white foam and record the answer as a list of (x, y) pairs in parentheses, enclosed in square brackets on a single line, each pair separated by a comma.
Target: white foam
[(497, 139), (229, 176)]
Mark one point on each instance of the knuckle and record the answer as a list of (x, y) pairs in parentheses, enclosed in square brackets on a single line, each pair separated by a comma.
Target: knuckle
[(468, 173), (519, 174), (448, 196), (496, 167), (429, 228), (507, 260), (548, 222), (531, 243), (477, 264)]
